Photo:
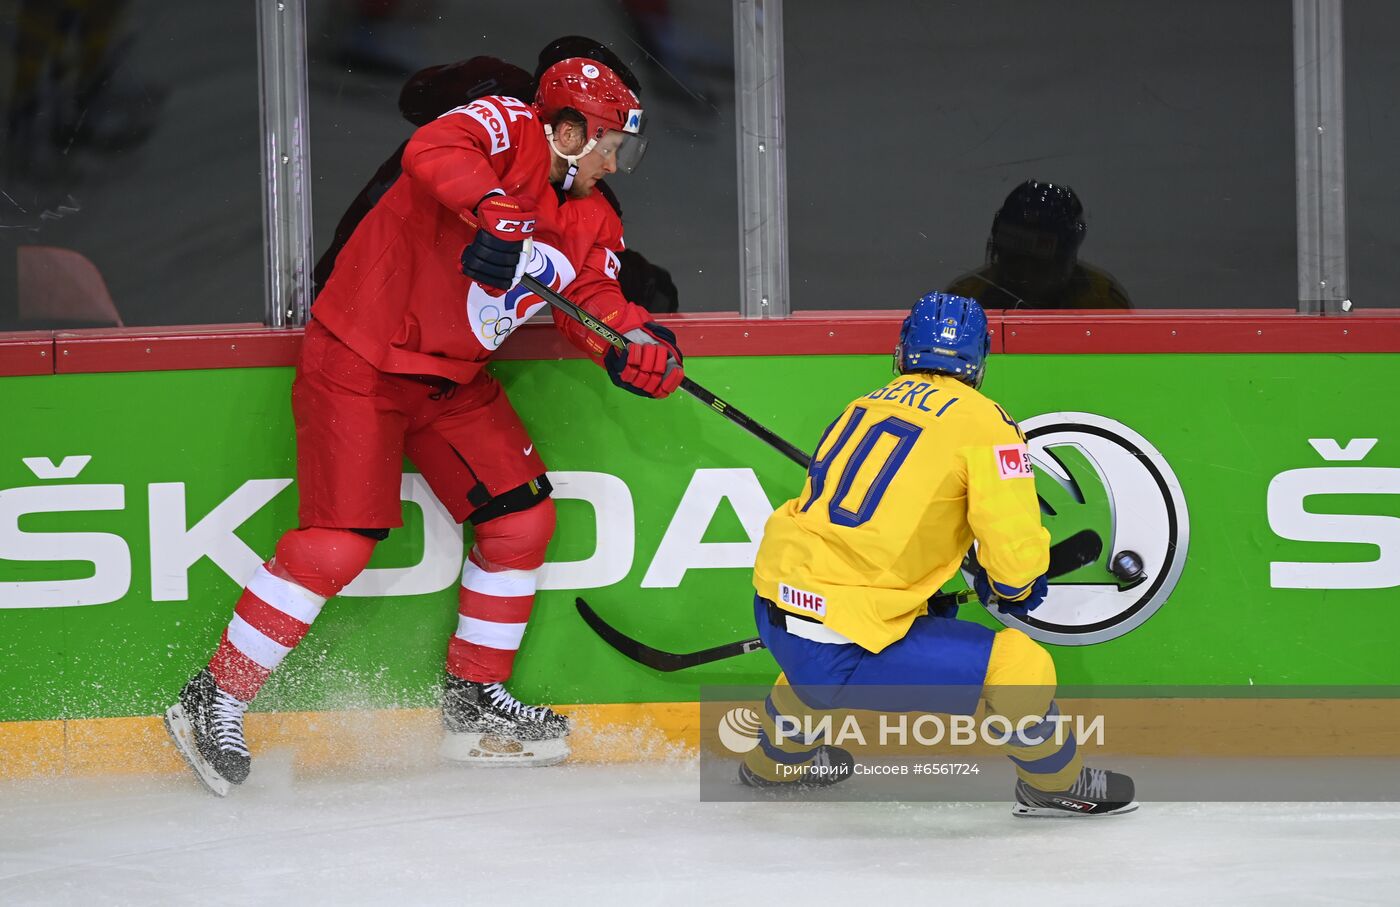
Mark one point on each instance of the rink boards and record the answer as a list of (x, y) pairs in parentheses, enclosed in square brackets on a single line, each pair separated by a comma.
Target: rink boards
[(1264, 488)]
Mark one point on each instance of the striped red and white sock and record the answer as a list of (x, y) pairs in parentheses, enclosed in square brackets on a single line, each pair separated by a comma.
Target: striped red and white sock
[(272, 616), (494, 607)]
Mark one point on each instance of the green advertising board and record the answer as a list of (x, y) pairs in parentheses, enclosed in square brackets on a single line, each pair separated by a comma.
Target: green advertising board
[(1263, 500)]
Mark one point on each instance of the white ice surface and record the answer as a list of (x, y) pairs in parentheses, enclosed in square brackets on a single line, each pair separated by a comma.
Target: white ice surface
[(636, 834)]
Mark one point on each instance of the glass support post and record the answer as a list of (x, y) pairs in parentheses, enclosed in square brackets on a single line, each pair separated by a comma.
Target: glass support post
[(763, 240), (282, 83), (1319, 124)]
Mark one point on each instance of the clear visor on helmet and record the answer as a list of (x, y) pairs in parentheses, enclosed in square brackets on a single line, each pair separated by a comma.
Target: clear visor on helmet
[(624, 148)]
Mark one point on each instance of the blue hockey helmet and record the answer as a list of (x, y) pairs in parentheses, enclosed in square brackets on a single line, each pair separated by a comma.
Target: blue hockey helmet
[(946, 334)]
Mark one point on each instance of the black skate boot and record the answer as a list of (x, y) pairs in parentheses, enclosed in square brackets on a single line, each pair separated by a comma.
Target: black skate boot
[(1097, 792), (829, 766), (487, 726), (207, 727)]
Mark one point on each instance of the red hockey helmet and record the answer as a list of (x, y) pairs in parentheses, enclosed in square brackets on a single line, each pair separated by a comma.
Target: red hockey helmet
[(597, 94)]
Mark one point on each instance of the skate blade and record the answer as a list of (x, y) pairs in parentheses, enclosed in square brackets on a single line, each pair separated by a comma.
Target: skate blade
[(494, 751), (1022, 811), (177, 724)]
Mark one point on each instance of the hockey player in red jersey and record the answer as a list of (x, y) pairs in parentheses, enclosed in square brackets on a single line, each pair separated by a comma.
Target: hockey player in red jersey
[(393, 365)]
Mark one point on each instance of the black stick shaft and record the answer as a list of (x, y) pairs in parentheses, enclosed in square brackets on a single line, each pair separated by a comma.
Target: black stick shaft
[(739, 418), (1079, 549), (661, 660), (745, 422)]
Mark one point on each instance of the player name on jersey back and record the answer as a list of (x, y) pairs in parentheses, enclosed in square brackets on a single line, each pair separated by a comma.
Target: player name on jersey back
[(916, 395)]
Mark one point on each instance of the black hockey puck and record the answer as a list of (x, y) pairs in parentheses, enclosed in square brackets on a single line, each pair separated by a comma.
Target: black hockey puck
[(1126, 566)]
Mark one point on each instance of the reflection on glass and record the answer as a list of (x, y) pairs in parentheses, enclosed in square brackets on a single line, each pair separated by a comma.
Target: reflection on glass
[(680, 205), (1033, 256), (908, 124), (1372, 135), (129, 180)]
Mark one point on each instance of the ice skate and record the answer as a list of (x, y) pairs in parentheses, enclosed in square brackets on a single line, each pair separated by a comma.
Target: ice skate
[(206, 725), (1097, 792), (486, 725), (831, 765)]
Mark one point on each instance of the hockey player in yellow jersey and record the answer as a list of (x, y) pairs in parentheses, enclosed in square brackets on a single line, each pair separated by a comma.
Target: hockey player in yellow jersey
[(900, 486)]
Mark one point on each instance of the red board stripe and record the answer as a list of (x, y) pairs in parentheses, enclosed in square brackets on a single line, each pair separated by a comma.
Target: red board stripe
[(163, 349), (1202, 332), (706, 334), (27, 353)]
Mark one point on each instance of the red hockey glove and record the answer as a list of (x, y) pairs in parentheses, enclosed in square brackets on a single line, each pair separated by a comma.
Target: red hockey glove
[(505, 217), (651, 367), (495, 258)]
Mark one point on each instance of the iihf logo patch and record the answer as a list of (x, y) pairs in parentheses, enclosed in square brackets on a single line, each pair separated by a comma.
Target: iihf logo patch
[(810, 602)]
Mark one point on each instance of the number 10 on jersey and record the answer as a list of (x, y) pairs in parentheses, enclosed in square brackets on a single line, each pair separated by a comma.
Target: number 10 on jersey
[(903, 433)]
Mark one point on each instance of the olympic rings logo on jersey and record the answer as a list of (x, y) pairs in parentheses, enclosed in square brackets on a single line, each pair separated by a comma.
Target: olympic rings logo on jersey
[(498, 325), (493, 318), (1096, 473)]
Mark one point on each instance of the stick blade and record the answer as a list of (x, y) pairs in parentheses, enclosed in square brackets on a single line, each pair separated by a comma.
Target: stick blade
[(642, 654), (1084, 547), (656, 659)]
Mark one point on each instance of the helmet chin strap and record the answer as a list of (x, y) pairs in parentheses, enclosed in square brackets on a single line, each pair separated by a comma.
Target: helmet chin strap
[(571, 159)]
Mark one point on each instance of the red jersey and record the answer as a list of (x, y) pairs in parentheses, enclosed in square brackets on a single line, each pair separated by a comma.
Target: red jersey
[(397, 295)]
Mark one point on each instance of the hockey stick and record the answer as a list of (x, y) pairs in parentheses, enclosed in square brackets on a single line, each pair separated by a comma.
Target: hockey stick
[(656, 659), (570, 308), (1084, 547), (675, 661)]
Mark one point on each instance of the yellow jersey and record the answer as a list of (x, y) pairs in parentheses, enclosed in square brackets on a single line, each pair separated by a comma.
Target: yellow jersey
[(900, 485)]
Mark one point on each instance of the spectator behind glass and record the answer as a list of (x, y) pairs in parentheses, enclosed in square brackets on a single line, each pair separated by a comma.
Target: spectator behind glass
[(1032, 257)]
